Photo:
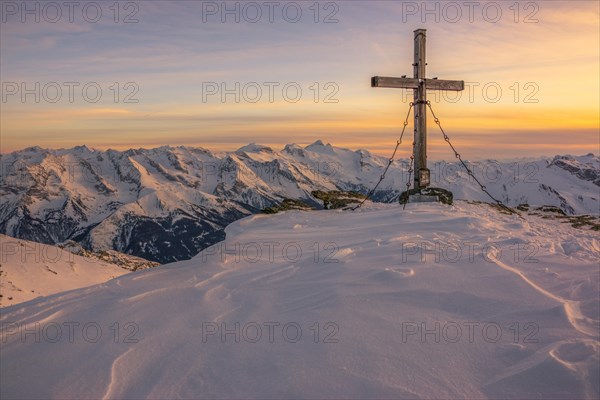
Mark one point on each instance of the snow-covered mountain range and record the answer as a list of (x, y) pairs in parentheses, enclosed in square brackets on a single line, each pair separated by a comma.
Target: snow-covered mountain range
[(169, 203), (430, 302)]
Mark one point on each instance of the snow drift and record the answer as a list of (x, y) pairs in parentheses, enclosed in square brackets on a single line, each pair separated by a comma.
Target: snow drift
[(431, 302)]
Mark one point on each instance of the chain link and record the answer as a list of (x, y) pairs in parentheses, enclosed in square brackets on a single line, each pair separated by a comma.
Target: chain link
[(390, 160), (457, 155)]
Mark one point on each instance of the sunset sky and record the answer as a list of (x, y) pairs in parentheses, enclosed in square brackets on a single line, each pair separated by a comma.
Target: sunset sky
[(543, 56)]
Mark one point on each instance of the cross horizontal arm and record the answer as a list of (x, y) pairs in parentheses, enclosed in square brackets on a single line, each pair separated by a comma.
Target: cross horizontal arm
[(412, 83), (404, 83), (442, 84)]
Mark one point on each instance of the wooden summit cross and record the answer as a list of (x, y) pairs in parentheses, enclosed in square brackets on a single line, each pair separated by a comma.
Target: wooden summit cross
[(419, 84)]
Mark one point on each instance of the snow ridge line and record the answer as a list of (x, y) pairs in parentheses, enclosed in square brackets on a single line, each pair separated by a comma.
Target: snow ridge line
[(572, 308), (114, 374)]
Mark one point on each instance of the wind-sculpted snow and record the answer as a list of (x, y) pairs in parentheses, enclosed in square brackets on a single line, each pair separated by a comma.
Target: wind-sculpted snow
[(433, 301), (169, 203)]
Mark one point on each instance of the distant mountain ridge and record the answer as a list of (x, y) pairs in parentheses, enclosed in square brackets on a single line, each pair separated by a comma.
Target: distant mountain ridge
[(168, 203)]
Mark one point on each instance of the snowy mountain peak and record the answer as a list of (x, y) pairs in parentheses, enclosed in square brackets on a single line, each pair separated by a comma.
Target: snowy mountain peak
[(32, 149), (83, 148), (317, 143), (584, 167), (320, 147), (294, 150), (254, 148), (363, 153)]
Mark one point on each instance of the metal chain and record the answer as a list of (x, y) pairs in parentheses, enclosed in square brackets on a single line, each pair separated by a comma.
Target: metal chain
[(390, 160), (457, 155)]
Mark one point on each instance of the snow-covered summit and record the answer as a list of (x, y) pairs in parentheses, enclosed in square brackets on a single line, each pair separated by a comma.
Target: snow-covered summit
[(429, 302), (320, 147), (254, 148)]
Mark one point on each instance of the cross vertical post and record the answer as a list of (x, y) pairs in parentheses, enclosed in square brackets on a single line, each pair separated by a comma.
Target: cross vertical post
[(420, 98)]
